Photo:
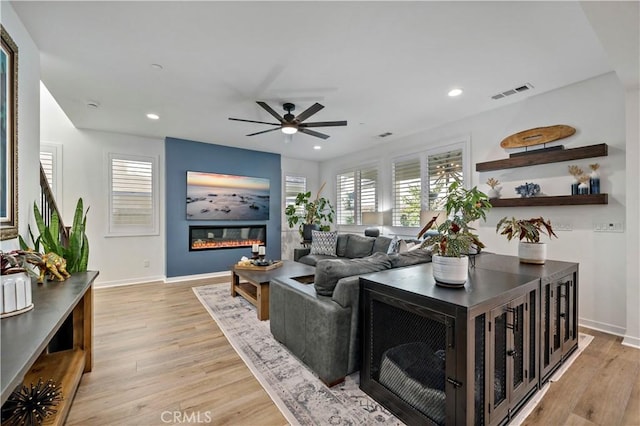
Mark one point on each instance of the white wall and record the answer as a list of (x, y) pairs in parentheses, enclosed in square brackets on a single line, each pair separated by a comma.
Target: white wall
[(120, 260), (296, 167), (632, 335), (596, 108), (28, 117)]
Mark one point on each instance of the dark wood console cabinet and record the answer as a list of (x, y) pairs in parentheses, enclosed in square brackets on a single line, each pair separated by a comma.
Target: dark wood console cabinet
[(62, 313), (475, 355)]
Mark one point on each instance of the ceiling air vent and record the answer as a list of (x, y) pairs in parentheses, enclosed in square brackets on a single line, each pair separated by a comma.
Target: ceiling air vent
[(510, 92)]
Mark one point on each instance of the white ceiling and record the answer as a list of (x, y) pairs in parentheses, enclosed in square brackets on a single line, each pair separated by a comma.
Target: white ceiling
[(382, 66)]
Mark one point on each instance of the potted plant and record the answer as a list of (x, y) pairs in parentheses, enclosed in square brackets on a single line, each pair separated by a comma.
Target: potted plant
[(315, 214), (528, 231), (455, 239), (15, 281)]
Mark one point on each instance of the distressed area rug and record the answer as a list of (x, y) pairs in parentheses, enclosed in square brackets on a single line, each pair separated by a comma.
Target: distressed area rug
[(301, 397)]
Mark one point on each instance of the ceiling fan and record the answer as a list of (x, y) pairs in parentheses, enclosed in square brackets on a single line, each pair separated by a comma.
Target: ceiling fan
[(290, 124)]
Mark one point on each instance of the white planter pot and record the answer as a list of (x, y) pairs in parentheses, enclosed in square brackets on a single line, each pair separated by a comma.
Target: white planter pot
[(535, 253), (450, 271), (15, 294)]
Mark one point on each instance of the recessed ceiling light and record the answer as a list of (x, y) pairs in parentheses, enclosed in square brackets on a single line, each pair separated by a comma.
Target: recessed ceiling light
[(152, 116), (157, 67), (455, 92), (317, 147), (93, 104)]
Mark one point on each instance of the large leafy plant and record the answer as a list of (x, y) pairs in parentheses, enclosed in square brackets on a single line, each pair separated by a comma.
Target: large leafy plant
[(455, 237), (314, 211), (75, 251), (525, 229)]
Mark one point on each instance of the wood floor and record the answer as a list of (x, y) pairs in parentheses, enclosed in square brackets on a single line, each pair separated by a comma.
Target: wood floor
[(159, 358)]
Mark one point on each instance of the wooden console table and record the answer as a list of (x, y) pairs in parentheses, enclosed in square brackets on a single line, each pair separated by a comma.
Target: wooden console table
[(25, 337)]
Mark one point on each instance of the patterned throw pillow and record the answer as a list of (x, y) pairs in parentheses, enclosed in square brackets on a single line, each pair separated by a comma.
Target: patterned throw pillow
[(324, 242), (394, 246)]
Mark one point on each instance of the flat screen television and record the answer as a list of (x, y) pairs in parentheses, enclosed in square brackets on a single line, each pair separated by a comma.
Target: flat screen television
[(216, 196)]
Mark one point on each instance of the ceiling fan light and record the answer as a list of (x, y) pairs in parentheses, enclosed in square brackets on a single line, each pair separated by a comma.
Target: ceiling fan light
[(288, 129)]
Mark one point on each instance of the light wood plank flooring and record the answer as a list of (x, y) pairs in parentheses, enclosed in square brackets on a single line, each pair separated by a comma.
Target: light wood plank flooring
[(156, 350)]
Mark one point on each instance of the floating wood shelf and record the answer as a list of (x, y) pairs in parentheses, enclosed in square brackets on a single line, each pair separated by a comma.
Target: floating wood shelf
[(600, 150), (560, 200)]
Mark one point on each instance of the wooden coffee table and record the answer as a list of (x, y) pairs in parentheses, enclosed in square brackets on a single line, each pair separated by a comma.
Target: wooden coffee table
[(255, 283)]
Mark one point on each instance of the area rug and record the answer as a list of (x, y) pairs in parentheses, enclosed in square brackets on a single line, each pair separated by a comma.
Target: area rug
[(301, 397)]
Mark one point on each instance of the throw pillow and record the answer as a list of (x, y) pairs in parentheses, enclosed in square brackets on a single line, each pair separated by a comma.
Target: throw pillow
[(359, 246), (324, 242), (394, 245)]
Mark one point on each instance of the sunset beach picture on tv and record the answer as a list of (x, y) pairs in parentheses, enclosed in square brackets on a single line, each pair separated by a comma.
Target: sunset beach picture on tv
[(214, 196)]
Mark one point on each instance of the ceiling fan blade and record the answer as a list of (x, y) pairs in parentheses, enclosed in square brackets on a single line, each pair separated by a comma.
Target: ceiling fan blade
[(264, 131), (270, 111), (324, 124), (308, 112), (313, 133), (253, 121)]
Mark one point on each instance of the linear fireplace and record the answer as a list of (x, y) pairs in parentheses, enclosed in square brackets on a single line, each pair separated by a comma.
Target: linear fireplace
[(213, 237)]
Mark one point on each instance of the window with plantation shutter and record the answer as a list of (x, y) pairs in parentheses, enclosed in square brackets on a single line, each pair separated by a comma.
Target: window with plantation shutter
[(346, 202), (442, 170), (293, 185), (406, 192), (51, 161), (357, 193), (133, 195)]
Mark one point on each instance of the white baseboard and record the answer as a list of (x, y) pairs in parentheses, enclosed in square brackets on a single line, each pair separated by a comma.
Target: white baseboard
[(197, 277), (633, 342), (602, 326), (120, 283)]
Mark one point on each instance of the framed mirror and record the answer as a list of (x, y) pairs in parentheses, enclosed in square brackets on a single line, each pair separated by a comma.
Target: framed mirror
[(9, 137)]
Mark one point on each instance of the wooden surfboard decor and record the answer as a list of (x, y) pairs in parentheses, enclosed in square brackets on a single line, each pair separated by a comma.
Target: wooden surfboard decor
[(537, 136)]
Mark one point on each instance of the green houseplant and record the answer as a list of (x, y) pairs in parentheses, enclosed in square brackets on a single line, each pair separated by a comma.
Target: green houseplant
[(528, 232), (75, 251), (455, 238), (316, 213)]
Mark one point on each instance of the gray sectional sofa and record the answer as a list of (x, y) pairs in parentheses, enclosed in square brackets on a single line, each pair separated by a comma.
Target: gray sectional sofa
[(350, 246), (319, 322)]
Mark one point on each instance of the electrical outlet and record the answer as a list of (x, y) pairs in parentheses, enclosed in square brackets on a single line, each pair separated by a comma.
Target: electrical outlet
[(609, 227), (562, 227), (146, 263)]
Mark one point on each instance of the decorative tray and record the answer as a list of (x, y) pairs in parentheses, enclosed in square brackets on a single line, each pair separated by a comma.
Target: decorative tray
[(257, 265)]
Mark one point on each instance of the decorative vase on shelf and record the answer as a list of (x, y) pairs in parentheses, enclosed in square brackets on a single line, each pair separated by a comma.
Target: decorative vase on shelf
[(494, 192), (594, 179), (583, 188), (574, 186)]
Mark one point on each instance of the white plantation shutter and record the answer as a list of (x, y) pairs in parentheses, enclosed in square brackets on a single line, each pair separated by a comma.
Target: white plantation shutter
[(293, 185), (346, 203), (133, 195), (368, 190), (46, 160), (406, 192), (442, 170)]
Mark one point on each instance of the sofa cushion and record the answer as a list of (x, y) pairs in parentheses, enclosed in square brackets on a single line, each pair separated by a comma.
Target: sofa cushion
[(409, 258), (324, 242), (341, 246), (381, 245), (313, 259), (359, 246), (329, 271)]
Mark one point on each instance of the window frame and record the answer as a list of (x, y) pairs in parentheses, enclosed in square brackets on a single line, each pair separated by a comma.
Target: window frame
[(357, 188), (55, 149), (114, 230), (423, 157)]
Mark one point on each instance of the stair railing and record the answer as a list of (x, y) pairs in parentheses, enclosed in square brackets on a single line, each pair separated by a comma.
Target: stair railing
[(48, 206)]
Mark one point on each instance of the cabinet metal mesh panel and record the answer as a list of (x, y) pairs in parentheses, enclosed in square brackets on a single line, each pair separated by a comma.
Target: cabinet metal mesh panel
[(500, 361), (410, 359), (479, 370), (532, 336), (518, 346), (547, 326), (564, 296), (557, 325)]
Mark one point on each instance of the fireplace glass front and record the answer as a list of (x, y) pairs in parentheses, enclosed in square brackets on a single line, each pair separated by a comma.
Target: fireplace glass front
[(226, 236)]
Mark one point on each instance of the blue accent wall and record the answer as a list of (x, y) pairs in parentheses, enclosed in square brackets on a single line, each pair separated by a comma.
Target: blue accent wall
[(183, 155)]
